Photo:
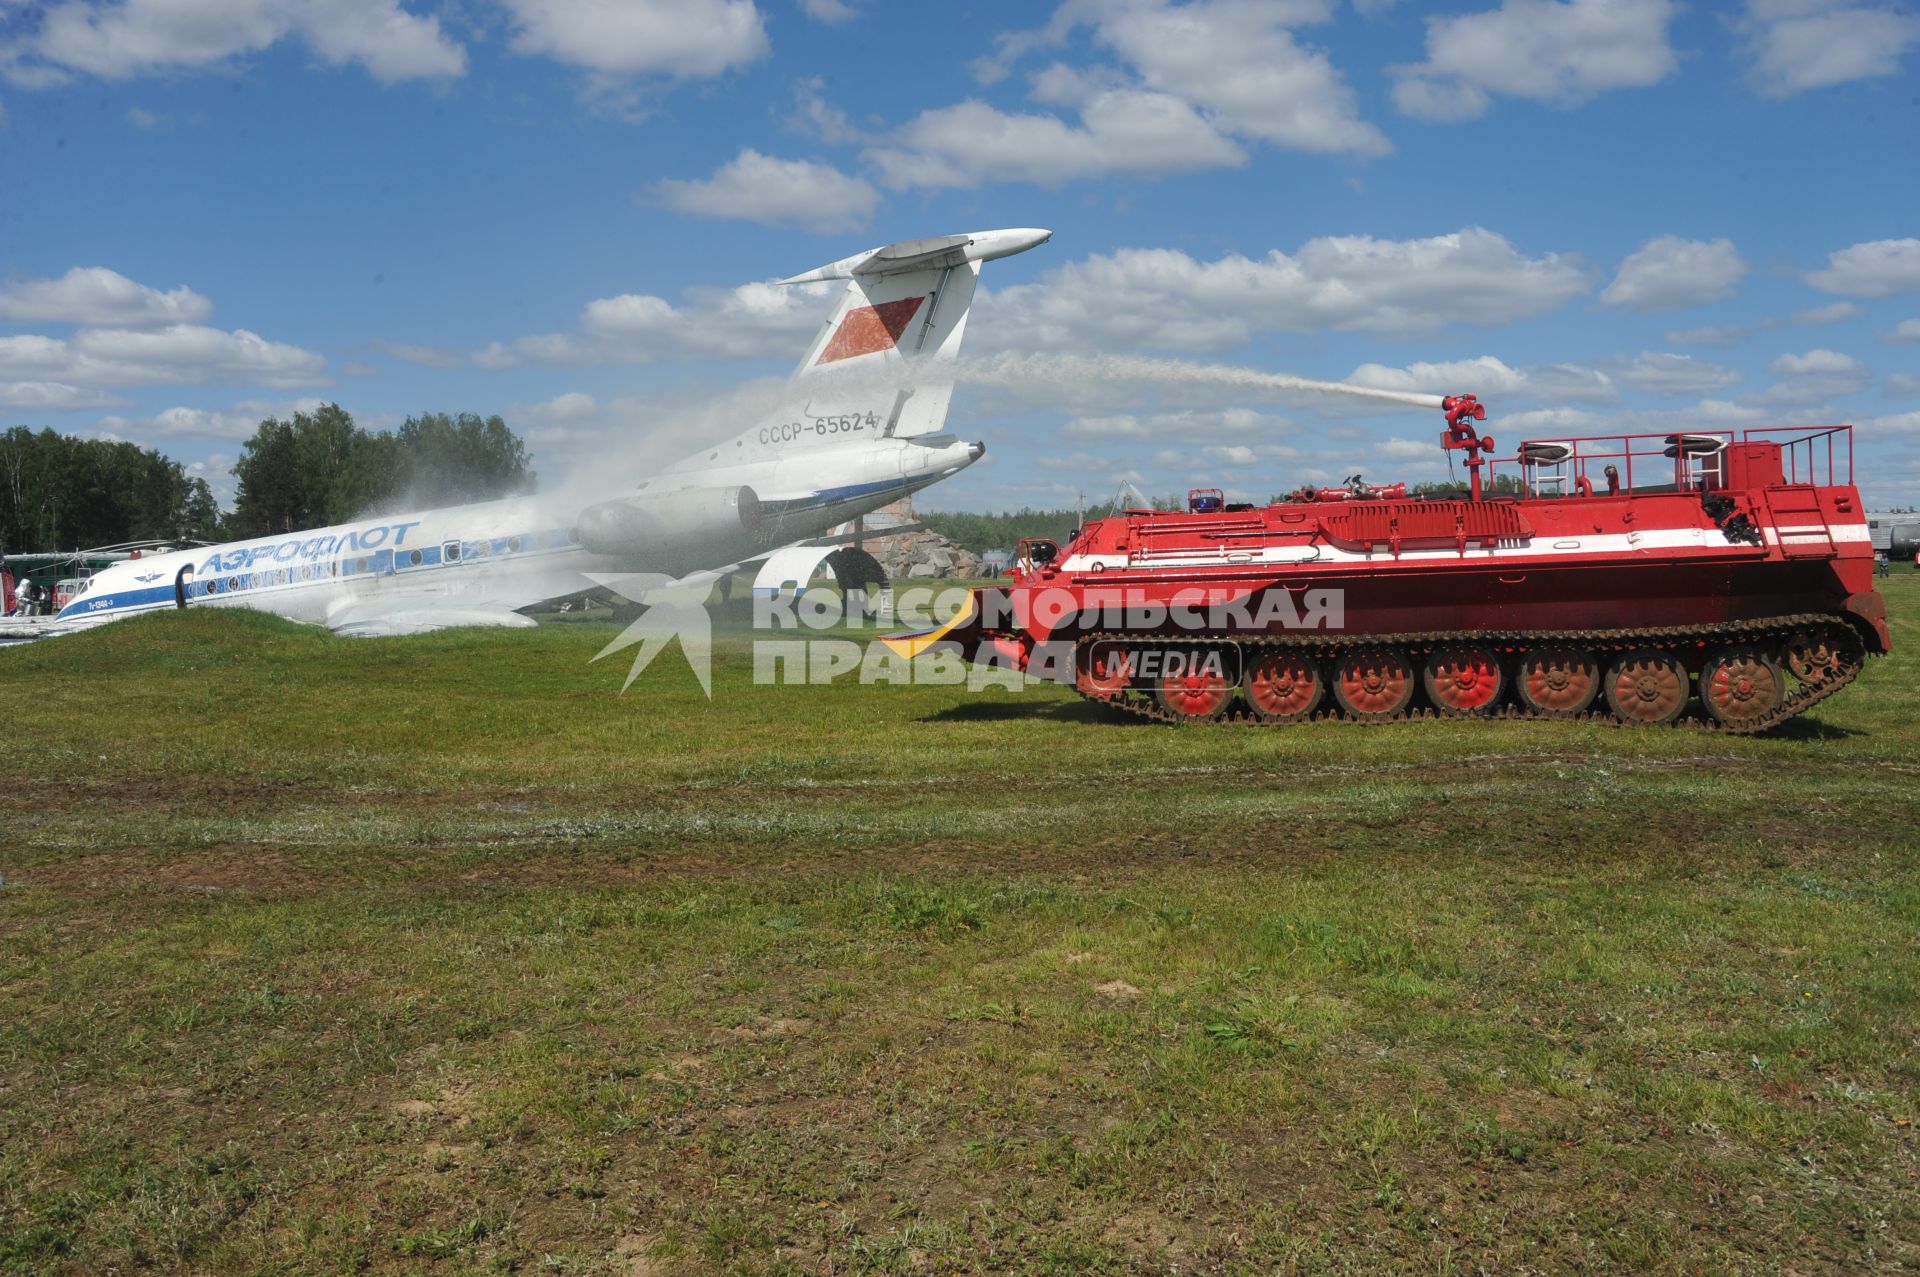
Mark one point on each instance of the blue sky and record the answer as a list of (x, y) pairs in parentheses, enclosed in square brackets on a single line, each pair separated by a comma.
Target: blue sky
[(1599, 216)]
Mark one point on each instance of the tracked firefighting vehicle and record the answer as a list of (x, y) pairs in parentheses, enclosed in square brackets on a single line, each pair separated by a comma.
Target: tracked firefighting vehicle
[(1723, 578)]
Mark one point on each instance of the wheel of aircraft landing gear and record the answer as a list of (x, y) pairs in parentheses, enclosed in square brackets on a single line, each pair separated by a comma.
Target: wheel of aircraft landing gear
[(1741, 685), (1559, 680), (1647, 686), (1284, 687), (1464, 680), (1373, 683), (856, 570)]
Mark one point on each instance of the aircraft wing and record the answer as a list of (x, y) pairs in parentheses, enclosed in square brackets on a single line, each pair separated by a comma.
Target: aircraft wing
[(488, 600), (388, 622), (790, 566)]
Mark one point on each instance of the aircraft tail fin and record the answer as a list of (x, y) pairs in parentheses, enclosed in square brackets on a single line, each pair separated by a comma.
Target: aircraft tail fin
[(901, 320)]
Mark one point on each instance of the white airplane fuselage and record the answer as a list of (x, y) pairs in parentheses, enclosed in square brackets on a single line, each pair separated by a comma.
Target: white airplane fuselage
[(861, 427), (478, 561)]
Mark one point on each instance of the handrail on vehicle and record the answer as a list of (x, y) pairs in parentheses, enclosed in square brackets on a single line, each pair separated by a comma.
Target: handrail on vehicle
[(1667, 461)]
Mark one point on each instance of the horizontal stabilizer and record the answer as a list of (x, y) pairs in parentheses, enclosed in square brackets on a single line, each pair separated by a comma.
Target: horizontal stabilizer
[(937, 253)]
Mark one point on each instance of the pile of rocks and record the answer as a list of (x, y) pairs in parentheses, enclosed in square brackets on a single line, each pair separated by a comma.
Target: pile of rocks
[(908, 556)]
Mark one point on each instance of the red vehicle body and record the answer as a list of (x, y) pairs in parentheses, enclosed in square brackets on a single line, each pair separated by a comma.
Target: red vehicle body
[(1625, 575)]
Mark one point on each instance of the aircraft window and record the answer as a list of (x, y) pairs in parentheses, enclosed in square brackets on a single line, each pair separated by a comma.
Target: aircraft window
[(213, 587), (413, 558), (359, 565), (233, 583), (483, 548), (450, 551), (513, 544)]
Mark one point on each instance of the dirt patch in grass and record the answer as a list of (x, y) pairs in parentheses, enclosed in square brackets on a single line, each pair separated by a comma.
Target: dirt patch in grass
[(256, 871)]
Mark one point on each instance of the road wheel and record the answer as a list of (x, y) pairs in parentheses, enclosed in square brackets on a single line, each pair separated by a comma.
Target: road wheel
[(1373, 683), (1647, 686), (1103, 670), (1197, 693), (1559, 680), (1284, 686), (1741, 685), (1464, 681)]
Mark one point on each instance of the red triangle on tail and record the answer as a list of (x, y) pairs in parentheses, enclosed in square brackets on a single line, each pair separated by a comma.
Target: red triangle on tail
[(869, 328)]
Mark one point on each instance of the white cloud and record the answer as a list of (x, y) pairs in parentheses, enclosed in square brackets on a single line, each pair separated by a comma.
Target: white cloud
[(1487, 377), (1831, 313), (748, 322), (141, 37), (1671, 374), (678, 39), (1714, 335), (1186, 424), (1878, 268), (1904, 331), (1162, 298), (236, 422), (1707, 414), (98, 296), (1123, 132), (1561, 52), (1816, 374), (424, 356), (1815, 362), (1899, 423), (829, 11), (1902, 384), (1196, 81), (753, 187), (1667, 273), (177, 354), (143, 119), (52, 396), (564, 409), (1238, 62), (217, 470), (815, 117), (1796, 45)]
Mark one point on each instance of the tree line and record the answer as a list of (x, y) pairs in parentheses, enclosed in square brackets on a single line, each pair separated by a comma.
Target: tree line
[(62, 493), (321, 468), (59, 492)]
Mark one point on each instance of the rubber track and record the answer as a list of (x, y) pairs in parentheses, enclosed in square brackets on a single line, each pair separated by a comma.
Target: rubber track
[(1777, 629)]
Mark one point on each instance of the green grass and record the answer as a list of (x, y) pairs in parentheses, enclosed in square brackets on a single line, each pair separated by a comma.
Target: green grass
[(438, 955)]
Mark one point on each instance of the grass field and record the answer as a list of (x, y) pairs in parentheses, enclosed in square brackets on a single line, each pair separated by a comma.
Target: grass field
[(322, 955)]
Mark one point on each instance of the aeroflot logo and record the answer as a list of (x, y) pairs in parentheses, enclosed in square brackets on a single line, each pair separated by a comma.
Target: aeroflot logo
[(314, 547)]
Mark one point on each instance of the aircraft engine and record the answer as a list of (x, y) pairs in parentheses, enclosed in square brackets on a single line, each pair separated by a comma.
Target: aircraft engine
[(690, 519)]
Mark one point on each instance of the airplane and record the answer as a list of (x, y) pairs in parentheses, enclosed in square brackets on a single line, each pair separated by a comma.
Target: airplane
[(860, 425)]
